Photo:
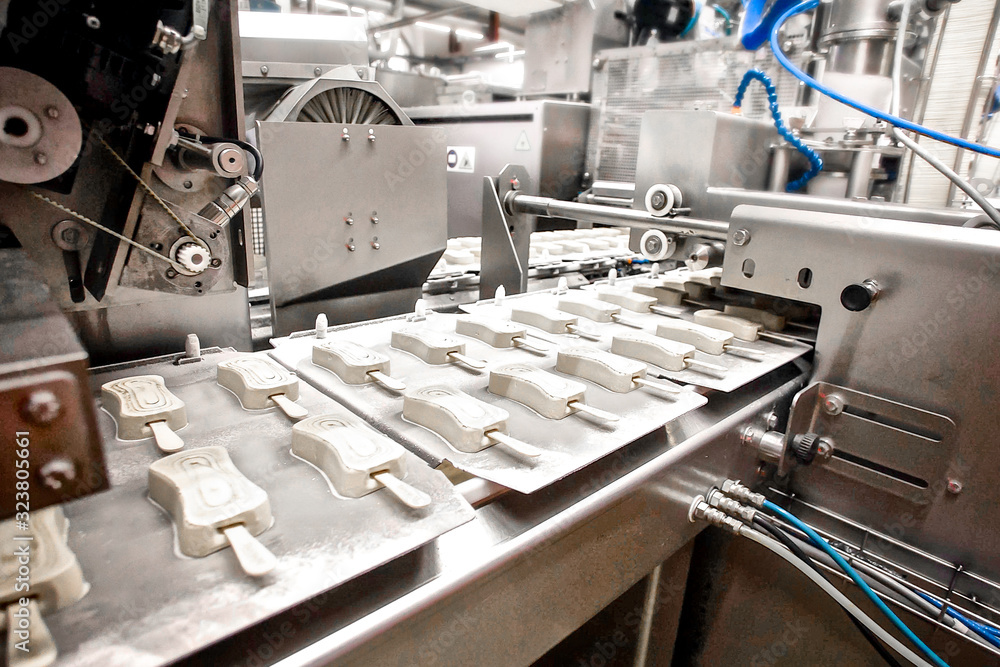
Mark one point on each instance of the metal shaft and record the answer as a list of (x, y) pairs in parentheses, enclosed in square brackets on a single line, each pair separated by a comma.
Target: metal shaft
[(517, 202)]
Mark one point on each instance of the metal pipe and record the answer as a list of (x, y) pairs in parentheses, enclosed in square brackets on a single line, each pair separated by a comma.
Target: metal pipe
[(648, 611), (517, 202), (974, 103), (427, 16)]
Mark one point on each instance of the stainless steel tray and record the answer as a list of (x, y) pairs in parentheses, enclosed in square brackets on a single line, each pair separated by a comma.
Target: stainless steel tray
[(569, 444), (739, 370), (147, 605)]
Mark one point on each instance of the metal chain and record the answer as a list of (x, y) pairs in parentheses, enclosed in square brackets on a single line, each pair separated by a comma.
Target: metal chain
[(152, 194), (106, 230)]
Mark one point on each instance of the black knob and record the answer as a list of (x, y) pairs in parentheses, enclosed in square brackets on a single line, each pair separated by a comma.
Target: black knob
[(804, 447), (859, 296)]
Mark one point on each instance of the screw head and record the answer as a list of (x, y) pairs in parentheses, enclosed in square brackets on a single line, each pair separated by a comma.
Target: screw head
[(747, 436), (349, 220), (171, 273), (41, 407), (71, 235), (375, 244), (264, 69), (771, 420), (741, 237), (833, 404), (52, 112), (317, 71), (57, 472), (351, 247), (515, 183), (41, 158), (215, 263), (954, 486), (824, 450)]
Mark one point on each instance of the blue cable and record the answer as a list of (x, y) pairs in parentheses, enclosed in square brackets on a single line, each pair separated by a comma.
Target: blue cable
[(815, 161), (852, 573), (756, 26), (901, 123), (721, 11), (694, 18), (987, 632)]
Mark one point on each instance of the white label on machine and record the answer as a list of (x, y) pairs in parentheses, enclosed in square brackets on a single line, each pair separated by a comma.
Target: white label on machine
[(462, 159), (522, 142)]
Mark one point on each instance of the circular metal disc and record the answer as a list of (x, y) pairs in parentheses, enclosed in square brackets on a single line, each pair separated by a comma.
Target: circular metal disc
[(40, 133)]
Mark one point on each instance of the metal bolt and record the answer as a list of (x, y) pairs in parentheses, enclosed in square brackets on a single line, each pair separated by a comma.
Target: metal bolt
[(349, 220), (371, 135), (515, 184), (771, 420), (42, 407), (149, 130), (954, 486), (374, 219), (747, 436), (361, 72), (375, 244), (71, 235), (345, 136), (658, 200), (57, 472), (171, 273), (188, 185), (52, 112), (263, 69), (317, 70), (741, 237), (824, 449), (351, 247), (41, 158), (833, 404), (215, 263)]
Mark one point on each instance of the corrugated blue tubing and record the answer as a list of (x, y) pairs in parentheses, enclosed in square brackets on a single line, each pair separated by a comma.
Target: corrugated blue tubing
[(901, 123), (815, 161)]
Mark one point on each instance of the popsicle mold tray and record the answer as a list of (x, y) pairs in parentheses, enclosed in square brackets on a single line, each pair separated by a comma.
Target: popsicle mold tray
[(320, 539), (566, 445)]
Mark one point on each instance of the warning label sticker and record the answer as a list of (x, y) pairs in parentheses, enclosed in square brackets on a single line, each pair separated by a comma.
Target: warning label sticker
[(462, 159), (522, 142)]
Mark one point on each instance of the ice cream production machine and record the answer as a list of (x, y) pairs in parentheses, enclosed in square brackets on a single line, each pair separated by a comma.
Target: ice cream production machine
[(681, 351)]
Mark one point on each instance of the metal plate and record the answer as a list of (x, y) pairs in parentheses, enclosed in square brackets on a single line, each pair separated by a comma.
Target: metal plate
[(149, 606), (739, 370), (569, 444), (881, 443)]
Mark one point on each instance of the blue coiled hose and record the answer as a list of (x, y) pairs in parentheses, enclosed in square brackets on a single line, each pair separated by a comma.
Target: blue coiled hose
[(815, 161)]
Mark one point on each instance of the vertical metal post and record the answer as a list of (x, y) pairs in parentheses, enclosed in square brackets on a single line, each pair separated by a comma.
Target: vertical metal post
[(648, 611)]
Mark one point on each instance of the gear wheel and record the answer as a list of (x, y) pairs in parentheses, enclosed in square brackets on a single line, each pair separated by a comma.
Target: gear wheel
[(193, 257), (804, 447)]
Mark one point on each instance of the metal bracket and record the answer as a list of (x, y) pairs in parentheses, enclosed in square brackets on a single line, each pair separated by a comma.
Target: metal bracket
[(884, 444), (506, 237)]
